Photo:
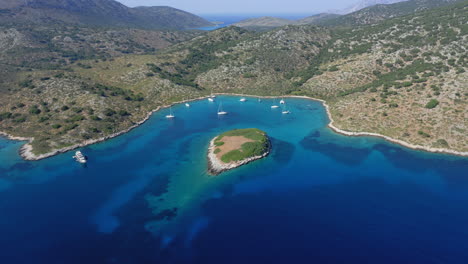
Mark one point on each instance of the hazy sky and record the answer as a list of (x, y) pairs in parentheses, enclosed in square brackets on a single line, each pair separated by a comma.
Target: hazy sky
[(247, 6)]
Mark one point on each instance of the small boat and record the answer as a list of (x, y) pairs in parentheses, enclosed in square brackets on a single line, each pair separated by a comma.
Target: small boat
[(210, 99), (274, 105), (220, 110), (170, 115), (282, 101), (79, 157), (243, 100), (285, 111), (187, 104)]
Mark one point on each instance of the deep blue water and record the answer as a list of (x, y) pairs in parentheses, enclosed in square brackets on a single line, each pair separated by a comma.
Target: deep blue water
[(319, 197)]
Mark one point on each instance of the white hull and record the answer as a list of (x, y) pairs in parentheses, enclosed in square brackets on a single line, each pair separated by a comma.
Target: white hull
[(282, 102), (187, 105), (222, 113), (79, 157), (211, 99), (274, 106), (170, 116), (286, 112), (243, 100)]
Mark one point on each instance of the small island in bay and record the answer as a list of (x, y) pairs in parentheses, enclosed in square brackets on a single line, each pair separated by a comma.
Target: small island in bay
[(235, 148)]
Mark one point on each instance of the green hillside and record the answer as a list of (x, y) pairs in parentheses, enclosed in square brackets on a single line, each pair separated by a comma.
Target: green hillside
[(404, 77)]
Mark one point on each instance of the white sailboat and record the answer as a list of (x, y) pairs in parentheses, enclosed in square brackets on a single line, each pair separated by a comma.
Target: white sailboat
[(274, 105), (220, 110), (170, 115), (79, 157), (282, 101), (187, 104), (243, 99), (285, 111)]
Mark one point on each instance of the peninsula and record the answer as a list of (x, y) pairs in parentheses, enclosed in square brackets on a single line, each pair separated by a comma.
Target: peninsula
[(235, 148)]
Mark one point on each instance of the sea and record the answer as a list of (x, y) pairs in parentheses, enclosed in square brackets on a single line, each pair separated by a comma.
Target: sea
[(226, 20), (319, 197)]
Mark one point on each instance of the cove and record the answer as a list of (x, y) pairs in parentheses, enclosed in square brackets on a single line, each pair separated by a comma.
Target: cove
[(145, 197)]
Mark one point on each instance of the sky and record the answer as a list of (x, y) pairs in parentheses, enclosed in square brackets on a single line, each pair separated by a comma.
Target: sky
[(202, 7)]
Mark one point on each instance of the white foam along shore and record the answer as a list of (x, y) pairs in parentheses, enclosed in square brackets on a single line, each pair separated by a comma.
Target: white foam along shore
[(215, 166), (26, 151)]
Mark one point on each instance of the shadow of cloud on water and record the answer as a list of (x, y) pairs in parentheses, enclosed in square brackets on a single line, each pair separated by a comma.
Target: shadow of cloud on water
[(452, 168), (347, 155), (281, 151)]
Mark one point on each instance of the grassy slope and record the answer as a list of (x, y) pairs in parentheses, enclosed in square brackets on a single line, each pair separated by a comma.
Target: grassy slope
[(375, 78)]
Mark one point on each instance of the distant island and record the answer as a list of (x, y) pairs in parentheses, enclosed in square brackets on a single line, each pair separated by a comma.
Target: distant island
[(235, 148)]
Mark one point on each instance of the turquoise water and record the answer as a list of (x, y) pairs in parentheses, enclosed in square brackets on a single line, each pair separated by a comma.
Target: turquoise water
[(145, 197)]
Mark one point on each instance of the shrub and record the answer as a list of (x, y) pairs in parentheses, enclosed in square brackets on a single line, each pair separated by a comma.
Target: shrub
[(442, 142), (95, 118), (218, 143), (34, 110), (423, 134), (123, 113), (249, 75), (109, 112), (432, 104), (5, 115)]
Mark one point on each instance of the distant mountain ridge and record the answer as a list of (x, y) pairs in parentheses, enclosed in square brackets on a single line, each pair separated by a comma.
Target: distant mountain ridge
[(97, 12), (265, 21), (380, 12), (367, 3), (376, 11)]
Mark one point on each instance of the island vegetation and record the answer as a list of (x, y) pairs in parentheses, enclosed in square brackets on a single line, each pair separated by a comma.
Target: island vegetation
[(236, 148), (397, 75)]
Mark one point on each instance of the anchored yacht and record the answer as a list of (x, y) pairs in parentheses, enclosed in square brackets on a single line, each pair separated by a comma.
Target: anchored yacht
[(220, 110), (170, 115), (79, 157)]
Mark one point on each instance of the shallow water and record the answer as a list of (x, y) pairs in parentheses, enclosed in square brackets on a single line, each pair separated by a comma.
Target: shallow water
[(145, 197)]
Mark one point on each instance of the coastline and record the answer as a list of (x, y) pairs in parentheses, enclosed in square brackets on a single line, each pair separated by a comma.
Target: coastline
[(26, 150), (216, 167), (362, 134)]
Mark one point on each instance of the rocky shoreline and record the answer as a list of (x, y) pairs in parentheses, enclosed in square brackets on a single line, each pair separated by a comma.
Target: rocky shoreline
[(26, 151), (216, 167), (364, 134)]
